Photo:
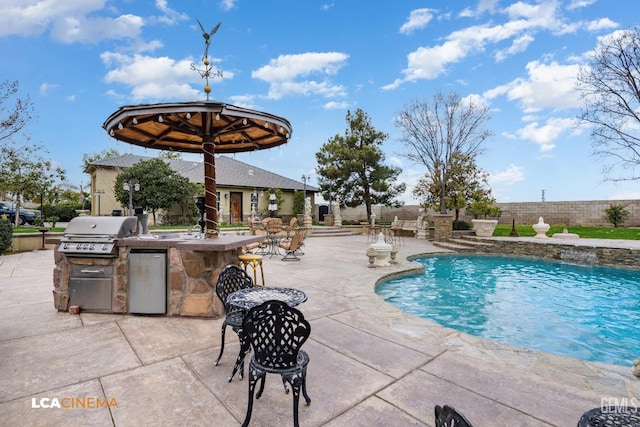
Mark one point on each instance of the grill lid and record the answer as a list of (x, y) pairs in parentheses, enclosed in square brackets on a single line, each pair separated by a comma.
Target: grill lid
[(102, 227)]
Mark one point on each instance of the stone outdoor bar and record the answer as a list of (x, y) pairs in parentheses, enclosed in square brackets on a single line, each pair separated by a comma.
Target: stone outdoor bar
[(192, 268)]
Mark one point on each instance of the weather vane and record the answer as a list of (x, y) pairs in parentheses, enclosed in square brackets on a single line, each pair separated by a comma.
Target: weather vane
[(208, 70)]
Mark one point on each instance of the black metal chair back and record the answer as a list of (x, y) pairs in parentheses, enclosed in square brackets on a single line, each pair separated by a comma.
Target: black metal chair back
[(232, 279), (447, 416), (276, 332)]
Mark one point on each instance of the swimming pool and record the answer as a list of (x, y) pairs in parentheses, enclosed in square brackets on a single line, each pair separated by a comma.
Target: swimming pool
[(588, 312)]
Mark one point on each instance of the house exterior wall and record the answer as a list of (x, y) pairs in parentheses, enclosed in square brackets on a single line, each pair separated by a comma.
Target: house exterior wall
[(104, 179)]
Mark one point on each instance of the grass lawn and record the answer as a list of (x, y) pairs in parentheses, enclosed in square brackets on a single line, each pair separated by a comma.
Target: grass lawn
[(623, 233), (502, 230)]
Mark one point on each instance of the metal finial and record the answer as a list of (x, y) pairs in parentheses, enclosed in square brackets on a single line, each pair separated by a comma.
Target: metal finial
[(208, 70)]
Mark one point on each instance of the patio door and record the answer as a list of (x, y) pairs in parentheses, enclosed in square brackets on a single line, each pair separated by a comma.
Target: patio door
[(235, 206)]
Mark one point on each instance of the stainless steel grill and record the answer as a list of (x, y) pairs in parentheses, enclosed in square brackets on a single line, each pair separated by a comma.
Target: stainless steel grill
[(96, 236)]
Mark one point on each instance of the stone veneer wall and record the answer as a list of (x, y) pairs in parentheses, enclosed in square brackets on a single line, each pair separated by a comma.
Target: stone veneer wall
[(612, 257), (191, 280)]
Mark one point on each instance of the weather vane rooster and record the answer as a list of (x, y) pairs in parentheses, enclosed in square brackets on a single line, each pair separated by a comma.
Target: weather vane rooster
[(208, 69)]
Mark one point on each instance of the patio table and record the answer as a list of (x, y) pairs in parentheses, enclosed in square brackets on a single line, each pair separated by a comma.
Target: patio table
[(247, 298)]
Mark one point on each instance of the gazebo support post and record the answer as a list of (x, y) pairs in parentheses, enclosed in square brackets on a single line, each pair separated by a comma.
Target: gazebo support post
[(210, 200)]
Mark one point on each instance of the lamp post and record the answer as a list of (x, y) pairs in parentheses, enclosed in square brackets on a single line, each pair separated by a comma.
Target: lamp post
[(443, 205), (254, 199), (98, 193), (130, 187), (304, 193)]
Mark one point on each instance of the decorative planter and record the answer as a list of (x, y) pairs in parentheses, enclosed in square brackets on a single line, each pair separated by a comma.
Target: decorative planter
[(484, 227)]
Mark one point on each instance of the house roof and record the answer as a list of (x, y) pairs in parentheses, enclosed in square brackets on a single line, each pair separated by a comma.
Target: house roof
[(229, 172)]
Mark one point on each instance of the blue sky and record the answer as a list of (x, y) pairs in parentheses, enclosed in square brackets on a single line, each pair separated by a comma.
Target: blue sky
[(310, 61)]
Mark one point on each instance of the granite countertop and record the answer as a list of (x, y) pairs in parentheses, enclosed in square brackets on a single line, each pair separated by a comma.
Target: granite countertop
[(179, 241)]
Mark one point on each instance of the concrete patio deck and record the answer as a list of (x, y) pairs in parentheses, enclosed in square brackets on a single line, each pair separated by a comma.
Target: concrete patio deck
[(371, 364)]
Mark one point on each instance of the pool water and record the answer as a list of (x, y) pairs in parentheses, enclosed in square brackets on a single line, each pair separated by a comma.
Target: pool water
[(588, 312)]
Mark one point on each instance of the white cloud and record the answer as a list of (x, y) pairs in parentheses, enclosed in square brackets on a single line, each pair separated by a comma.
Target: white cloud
[(245, 101), (170, 78), (333, 105), (46, 87), (576, 4), (519, 45), (69, 21), (418, 19), (545, 135), (601, 24), (432, 61), (286, 74), (227, 5), (547, 86), (509, 176)]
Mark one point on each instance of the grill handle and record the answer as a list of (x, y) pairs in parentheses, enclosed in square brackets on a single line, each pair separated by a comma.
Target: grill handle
[(92, 271)]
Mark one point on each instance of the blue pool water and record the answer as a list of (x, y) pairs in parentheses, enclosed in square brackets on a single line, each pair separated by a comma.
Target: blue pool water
[(591, 313)]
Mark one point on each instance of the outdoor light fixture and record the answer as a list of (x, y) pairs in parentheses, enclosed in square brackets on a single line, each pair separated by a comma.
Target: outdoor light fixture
[(119, 125), (217, 116), (130, 187), (244, 122), (188, 116), (135, 121)]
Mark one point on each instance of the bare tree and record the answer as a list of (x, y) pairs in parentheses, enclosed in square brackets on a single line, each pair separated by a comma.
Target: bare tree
[(610, 88), (434, 132), (15, 113)]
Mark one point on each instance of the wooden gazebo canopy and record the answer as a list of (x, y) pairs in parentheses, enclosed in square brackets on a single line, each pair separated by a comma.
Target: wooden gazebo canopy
[(199, 127)]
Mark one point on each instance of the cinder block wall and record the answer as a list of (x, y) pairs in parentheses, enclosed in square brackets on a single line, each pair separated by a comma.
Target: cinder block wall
[(580, 213)]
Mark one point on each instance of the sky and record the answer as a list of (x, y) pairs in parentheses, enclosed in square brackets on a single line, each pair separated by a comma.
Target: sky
[(311, 62)]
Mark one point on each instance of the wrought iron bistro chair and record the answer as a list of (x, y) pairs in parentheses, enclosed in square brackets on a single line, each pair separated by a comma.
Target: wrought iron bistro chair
[(276, 332), (232, 279), (447, 416)]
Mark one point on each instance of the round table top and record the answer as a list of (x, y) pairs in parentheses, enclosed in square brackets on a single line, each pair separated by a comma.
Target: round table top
[(250, 297)]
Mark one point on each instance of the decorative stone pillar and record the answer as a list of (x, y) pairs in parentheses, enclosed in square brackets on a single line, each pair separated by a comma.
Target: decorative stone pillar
[(443, 226), (337, 219)]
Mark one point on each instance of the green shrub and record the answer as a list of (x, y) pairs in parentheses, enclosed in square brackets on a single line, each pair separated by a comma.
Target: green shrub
[(6, 234), (462, 225), (64, 211), (616, 214), (52, 219)]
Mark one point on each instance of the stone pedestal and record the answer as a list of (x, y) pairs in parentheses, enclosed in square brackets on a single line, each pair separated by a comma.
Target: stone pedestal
[(308, 221), (443, 226), (328, 220), (337, 220)]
